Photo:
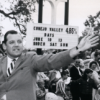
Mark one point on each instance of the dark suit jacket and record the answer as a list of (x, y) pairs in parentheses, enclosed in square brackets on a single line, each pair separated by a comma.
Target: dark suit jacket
[(74, 73), (21, 85)]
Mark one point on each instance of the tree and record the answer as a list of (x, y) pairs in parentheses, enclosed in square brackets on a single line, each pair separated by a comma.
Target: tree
[(93, 25), (20, 11), (93, 22)]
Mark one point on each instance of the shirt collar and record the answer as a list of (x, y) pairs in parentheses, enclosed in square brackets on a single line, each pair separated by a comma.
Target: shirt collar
[(9, 59), (77, 67)]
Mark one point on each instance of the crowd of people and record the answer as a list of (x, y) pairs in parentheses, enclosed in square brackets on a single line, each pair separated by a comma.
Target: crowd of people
[(77, 81)]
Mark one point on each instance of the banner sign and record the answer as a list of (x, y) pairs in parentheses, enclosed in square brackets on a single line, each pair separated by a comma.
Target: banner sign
[(48, 36)]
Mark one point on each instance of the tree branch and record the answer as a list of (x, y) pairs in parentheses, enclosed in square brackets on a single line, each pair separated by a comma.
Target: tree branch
[(19, 25)]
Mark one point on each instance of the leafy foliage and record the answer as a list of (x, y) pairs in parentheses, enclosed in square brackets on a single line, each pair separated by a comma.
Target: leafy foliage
[(93, 23), (93, 26), (20, 11)]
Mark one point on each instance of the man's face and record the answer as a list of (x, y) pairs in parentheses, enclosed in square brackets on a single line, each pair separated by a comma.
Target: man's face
[(93, 66), (65, 76), (82, 64), (88, 53), (14, 45), (89, 75), (77, 63)]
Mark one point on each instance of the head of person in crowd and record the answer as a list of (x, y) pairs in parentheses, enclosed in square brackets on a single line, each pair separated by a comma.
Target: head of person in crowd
[(41, 84), (64, 74), (13, 44), (47, 73), (87, 74), (96, 31), (77, 62), (82, 65), (70, 65), (88, 53), (93, 65), (97, 55)]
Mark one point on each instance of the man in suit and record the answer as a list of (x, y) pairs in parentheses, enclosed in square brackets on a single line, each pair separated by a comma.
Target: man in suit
[(75, 73), (18, 69)]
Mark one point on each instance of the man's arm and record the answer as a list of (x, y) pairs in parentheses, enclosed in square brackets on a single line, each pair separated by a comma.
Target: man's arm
[(62, 59), (41, 63), (87, 42)]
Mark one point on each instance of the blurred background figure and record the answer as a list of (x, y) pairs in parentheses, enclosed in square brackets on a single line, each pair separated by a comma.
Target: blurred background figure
[(95, 76), (54, 77), (88, 53), (40, 91), (60, 93), (97, 56), (75, 73), (86, 85), (82, 66)]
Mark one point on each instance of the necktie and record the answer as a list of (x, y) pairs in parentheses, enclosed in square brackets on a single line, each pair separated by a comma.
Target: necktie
[(11, 67), (79, 70)]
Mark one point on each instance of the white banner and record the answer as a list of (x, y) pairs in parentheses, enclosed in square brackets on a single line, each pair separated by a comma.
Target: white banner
[(49, 36)]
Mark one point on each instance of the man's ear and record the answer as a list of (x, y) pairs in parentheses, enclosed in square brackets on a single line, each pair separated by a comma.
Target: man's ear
[(4, 46)]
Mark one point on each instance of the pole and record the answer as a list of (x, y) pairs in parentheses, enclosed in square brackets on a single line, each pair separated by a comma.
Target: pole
[(66, 17), (40, 11), (39, 50)]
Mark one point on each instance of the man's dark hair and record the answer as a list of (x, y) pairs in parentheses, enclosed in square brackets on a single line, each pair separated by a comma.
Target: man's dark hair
[(7, 33), (87, 71), (65, 72)]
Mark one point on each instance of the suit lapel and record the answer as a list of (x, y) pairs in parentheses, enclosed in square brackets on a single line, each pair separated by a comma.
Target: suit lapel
[(4, 66), (18, 63), (77, 70)]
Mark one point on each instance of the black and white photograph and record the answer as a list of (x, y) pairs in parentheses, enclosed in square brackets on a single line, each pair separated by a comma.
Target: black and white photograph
[(49, 49)]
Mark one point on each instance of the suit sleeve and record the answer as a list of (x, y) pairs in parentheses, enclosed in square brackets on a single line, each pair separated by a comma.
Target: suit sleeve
[(94, 85), (76, 81), (95, 77), (51, 61)]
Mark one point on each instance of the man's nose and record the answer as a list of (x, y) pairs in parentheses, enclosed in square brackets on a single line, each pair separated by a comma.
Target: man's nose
[(16, 44)]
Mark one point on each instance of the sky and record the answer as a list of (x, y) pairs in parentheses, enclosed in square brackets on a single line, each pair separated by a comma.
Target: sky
[(79, 10)]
